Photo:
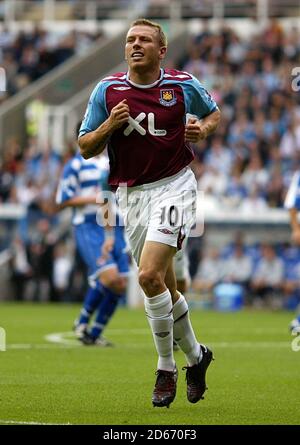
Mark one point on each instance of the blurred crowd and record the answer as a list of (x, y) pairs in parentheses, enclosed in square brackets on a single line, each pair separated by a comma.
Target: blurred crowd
[(26, 56), (44, 264), (46, 267), (247, 165), (267, 275)]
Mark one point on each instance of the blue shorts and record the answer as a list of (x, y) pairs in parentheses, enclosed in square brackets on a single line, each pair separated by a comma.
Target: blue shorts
[(89, 240)]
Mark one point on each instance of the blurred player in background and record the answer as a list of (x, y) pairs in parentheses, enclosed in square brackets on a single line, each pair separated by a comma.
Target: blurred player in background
[(141, 115), (292, 203), (181, 269), (81, 183)]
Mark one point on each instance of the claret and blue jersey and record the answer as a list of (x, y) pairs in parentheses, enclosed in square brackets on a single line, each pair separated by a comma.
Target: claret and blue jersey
[(154, 135)]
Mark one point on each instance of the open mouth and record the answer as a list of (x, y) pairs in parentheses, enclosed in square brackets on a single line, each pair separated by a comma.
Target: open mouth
[(137, 55)]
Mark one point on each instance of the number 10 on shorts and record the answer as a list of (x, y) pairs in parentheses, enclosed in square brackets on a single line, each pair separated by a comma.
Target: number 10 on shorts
[(171, 216)]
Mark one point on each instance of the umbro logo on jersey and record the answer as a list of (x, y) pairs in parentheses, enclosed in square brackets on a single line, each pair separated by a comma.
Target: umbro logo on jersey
[(166, 231), (121, 88), (167, 98)]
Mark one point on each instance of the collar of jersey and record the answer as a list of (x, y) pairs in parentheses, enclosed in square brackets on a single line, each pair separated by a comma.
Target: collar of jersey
[(138, 85)]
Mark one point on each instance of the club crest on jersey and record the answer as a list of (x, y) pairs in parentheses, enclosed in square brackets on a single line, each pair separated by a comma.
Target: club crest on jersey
[(167, 98)]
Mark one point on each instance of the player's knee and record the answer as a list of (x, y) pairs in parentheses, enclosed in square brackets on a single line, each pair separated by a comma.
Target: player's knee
[(150, 280), (120, 285), (117, 285), (182, 286)]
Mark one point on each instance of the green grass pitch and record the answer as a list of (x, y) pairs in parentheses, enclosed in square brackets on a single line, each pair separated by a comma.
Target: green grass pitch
[(253, 380)]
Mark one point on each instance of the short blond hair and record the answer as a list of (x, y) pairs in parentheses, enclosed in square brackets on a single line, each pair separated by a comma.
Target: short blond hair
[(162, 36)]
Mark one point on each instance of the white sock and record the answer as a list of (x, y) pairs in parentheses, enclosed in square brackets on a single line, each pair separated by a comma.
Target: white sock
[(184, 333), (159, 314)]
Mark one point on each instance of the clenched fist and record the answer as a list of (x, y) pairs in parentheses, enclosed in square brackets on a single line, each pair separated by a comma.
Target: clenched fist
[(193, 131), (119, 115)]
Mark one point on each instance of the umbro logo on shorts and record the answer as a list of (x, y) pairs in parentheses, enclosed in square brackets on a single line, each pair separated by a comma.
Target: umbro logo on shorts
[(166, 231), (162, 334)]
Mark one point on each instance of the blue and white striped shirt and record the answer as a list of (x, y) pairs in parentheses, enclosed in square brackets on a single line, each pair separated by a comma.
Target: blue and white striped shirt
[(83, 177), (292, 199)]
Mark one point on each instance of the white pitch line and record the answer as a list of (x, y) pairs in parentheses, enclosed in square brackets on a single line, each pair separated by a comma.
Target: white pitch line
[(130, 345), (62, 338), (248, 344), (41, 346), (17, 422)]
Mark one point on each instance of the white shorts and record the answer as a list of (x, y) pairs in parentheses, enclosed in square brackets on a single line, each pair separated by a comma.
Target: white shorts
[(163, 211)]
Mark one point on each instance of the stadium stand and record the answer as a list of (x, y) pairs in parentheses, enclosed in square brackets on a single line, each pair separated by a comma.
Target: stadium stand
[(26, 56), (244, 169), (155, 9)]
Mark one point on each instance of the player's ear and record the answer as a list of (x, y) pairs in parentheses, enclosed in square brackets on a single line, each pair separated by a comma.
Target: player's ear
[(162, 52)]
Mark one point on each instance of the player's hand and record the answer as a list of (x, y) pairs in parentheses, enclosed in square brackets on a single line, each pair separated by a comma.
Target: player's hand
[(296, 236), (193, 131), (119, 115), (107, 247)]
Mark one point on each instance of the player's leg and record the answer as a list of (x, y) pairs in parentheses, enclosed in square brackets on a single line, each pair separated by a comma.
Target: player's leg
[(295, 323), (154, 263), (198, 356), (112, 279), (182, 275), (171, 213), (91, 301), (153, 266), (88, 252), (181, 268), (113, 287), (152, 259), (182, 285), (182, 328)]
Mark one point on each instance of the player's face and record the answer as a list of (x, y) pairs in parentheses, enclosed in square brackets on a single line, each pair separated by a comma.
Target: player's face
[(143, 50)]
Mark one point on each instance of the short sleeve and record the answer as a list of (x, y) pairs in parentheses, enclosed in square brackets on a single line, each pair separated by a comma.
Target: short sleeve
[(292, 199), (68, 183), (96, 111), (198, 100)]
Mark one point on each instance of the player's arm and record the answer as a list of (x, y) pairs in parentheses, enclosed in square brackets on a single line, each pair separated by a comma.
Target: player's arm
[(291, 203), (77, 201), (94, 142), (205, 114), (109, 242), (295, 226), (196, 130), (67, 190), (293, 213), (108, 216)]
